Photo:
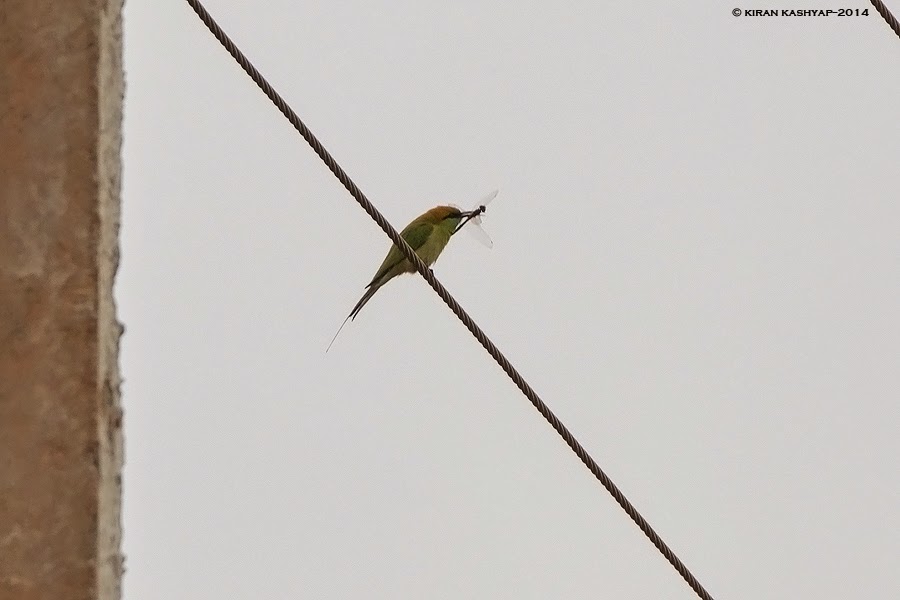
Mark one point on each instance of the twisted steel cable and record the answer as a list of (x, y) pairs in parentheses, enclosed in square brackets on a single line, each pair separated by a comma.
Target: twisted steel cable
[(425, 272), (886, 14)]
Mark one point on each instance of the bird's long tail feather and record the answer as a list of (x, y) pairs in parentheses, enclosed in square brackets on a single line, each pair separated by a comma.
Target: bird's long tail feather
[(362, 302)]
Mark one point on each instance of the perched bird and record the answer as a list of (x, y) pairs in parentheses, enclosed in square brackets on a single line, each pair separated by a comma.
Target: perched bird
[(428, 235)]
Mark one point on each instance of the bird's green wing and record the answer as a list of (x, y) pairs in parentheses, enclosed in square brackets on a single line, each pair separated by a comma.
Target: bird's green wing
[(415, 234)]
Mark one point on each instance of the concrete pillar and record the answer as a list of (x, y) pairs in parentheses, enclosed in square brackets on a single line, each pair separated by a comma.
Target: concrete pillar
[(60, 418)]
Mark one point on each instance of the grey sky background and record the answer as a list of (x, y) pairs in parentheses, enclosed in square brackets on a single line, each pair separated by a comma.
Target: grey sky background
[(696, 262)]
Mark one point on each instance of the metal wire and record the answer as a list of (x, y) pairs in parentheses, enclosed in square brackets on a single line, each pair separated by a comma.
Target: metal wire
[(886, 14), (425, 272)]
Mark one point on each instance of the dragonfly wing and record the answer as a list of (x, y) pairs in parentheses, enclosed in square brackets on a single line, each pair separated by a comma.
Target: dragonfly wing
[(475, 230), (474, 224), (487, 199)]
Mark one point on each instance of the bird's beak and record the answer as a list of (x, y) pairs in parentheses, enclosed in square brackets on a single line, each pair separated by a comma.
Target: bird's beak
[(467, 215), (473, 213)]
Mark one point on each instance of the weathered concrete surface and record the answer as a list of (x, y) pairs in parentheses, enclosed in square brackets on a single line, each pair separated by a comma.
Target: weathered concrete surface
[(60, 418)]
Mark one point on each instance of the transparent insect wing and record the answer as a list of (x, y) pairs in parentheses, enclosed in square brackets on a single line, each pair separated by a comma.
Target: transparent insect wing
[(474, 225), (477, 231), (487, 199)]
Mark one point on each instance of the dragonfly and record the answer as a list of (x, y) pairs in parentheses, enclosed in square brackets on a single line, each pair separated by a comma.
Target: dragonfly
[(474, 220)]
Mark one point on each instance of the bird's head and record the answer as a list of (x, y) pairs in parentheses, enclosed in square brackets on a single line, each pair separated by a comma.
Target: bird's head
[(449, 216), (443, 213)]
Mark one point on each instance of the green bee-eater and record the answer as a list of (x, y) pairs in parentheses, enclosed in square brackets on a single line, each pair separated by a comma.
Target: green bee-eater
[(428, 235)]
